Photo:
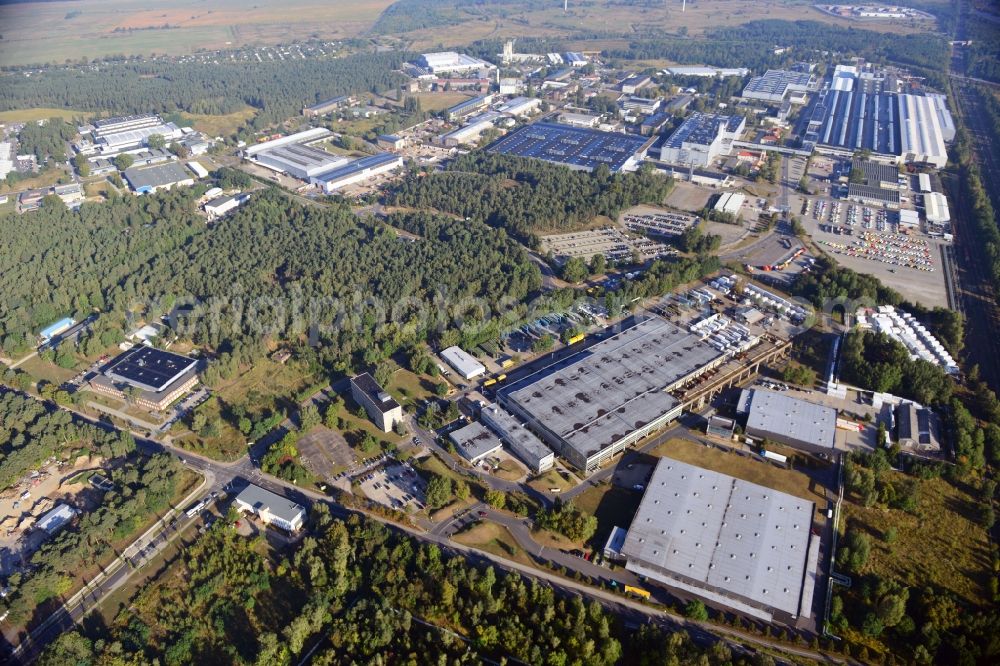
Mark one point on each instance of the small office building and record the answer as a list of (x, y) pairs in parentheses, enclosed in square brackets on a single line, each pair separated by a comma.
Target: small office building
[(382, 409), (271, 508), (475, 442), (152, 378)]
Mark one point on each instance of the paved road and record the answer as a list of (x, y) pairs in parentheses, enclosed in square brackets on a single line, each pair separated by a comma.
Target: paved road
[(236, 475)]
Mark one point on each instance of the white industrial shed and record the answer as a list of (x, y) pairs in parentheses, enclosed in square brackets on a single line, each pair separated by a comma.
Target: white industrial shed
[(937, 208), (921, 135), (464, 363)]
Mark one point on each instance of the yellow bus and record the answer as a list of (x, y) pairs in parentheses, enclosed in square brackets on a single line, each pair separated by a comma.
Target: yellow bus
[(489, 382), (576, 338), (637, 591)]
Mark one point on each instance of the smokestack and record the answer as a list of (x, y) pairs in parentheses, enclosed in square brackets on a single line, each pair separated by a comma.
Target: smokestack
[(565, 6), (684, 4)]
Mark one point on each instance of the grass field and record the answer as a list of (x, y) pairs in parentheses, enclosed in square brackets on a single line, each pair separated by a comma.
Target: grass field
[(943, 545), (550, 20), (409, 388), (436, 101), (40, 113), (550, 479), (50, 372), (493, 538), (792, 482), (219, 125), (96, 189), (56, 31), (43, 180), (611, 505)]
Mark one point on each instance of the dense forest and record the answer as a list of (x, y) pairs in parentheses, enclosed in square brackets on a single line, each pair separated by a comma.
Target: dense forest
[(526, 196), (57, 263), (877, 362), (277, 89), (274, 269), (359, 593), (752, 45)]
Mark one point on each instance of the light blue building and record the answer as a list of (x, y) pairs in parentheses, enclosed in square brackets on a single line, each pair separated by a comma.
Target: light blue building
[(55, 329)]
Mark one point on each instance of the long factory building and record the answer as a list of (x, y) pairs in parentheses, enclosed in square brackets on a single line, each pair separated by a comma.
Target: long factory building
[(859, 112), (576, 147), (591, 406)]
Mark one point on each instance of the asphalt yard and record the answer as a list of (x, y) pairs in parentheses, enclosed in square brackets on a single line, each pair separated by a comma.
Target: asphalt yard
[(395, 485)]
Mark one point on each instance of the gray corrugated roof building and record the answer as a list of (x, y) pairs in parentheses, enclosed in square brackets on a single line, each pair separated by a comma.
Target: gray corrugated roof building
[(593, 404), (730, 541), (271, 507), (159, 176), (474, 442), (790, 421)]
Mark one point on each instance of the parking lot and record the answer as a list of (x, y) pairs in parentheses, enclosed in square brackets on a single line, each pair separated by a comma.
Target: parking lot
[(614, 243), (874, 251), (395, 485)]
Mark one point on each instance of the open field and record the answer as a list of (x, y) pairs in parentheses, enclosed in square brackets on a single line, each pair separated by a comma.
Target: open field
[(792, 482), (436, 101), (945, 523), (219, 125), (550, 21), (495, 539), (56, 31), (409, 389), (551, 479), (50, 372), (39, 113)]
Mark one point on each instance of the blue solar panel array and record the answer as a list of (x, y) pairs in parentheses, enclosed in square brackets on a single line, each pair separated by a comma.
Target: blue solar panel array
[(576, 147)]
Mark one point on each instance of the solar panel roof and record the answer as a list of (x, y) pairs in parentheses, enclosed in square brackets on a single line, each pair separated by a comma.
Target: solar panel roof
[(576, 147)]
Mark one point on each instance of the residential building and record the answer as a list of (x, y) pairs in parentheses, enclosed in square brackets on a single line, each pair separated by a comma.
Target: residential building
[(271, 508), (382, 409)]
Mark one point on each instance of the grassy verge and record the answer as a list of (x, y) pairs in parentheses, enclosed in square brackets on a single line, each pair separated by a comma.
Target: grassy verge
[(495, 539), (789, 481), (551, 479)]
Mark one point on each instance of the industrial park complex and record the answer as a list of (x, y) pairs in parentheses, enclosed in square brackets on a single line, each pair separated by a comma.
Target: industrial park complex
[(791, 160)]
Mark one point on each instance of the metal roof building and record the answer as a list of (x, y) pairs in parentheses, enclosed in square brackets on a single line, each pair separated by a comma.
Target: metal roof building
[(55, 519), (474, 442), (272, 508), (593, 404), (576, 147), (445, 62), (701, 138), (464, 363), (55, 329), (921, 134), (525, 445), (730, 541), (161, 176), (305, 136), (790, 421), (873, 195), (936, 205), (300, 160), (357, 170), (776, 83)]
